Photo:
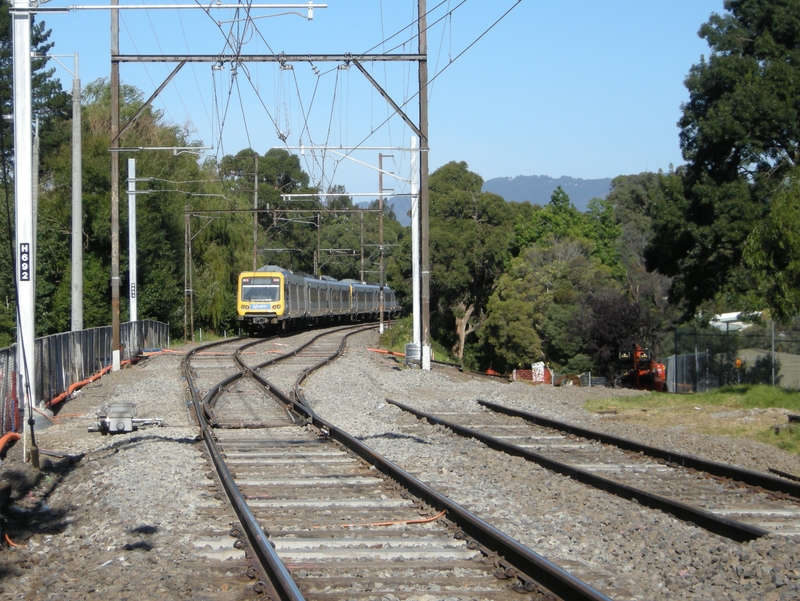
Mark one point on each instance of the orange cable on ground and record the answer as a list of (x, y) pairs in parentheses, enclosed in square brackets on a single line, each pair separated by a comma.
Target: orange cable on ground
[(76, 385), (6, 439), (385, 352), (420, 521), (8, 540), (37, 410)]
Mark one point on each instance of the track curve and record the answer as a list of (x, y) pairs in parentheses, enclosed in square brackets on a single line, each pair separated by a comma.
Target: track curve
[(324, 511)]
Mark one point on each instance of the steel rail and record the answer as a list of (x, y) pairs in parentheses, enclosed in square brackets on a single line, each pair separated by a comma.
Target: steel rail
[(718, 525), (531, 564), (303, 346), (278, 583), (272, 389), (298, 394), (722, 470)]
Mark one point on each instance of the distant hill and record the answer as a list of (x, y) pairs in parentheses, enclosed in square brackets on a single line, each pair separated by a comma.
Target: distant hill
[(537, 188), (534, 188), (400, 205)]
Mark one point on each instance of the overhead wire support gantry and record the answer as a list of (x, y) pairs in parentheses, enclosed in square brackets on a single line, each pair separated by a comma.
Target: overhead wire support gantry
[(22, 11), (422, 290), (263, 58)]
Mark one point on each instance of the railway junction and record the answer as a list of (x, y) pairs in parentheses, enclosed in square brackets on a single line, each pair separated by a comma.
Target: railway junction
[(144, 514)]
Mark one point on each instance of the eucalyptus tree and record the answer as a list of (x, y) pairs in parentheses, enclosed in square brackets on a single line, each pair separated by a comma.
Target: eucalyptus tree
[(537, 311), (160, 227), (470, 240)]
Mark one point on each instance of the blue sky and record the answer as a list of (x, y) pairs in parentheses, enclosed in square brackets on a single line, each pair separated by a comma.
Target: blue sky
[(580, 88)]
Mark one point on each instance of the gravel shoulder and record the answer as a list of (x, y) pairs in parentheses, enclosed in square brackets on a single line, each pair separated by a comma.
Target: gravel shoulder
[(116, 516), (629, 551)]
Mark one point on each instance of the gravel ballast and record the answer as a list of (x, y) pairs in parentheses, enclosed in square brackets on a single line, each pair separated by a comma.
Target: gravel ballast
[(118, 522)]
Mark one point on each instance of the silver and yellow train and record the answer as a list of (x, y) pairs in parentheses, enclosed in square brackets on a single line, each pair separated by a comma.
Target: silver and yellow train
[(273, 296)]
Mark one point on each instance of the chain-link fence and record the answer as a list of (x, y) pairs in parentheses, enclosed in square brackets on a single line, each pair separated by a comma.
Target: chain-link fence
[(707, 359), (63, 359)]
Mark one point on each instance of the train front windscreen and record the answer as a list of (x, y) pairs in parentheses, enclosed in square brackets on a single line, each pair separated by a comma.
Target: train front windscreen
[(261, 289)]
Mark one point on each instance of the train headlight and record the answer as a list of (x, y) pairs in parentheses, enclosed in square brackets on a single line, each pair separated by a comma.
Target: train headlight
[(276, 306), (246, 307)]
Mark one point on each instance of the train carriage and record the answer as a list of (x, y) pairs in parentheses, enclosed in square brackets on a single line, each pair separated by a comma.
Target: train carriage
[(338, 297), (365, 298), (275, 296)]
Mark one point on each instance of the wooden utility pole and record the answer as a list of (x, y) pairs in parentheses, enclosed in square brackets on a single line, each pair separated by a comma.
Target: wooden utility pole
[(380, 234), (115, 336), (255, 215), (362, 246)]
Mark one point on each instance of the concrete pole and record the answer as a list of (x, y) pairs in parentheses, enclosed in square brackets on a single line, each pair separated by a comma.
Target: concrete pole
[(361, 273), (423, 198), (77, 205), (415, 287), (380, 236), (115, 335), (132, 238), (190, 262), (23, 174), (186, 255), (35, 195)]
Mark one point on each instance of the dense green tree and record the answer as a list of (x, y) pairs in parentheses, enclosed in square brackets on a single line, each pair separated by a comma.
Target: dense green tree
[(603, 230), (538, 305), (340, 236), (772, 251), (350, 239), (635, 198), (740, 136), (159, 227), (557, 220), (615, 323), (49, 102), (470, 240)]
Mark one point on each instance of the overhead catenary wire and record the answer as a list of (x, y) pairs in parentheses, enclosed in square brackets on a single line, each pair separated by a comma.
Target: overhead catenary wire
[(147, 72), (244, 114), (436, 75), (447, 28), (244, 28), (411, 24), (224, 117), (158, 43), (406, 97), (200, 94)]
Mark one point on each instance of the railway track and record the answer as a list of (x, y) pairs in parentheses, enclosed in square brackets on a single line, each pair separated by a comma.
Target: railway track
[(732, 502), (324, 517)]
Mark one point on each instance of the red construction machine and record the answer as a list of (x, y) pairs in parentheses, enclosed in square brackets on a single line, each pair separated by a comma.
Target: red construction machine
[(643, 373)]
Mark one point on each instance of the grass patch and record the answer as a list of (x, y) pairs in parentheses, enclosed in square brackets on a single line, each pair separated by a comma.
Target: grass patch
[(401, 333), (786, 438), (757, 412)]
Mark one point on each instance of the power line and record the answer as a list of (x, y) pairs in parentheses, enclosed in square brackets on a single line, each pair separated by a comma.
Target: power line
[(431, 80)]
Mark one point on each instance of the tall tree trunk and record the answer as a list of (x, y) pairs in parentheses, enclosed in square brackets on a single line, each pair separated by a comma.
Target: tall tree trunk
[(463, 329)]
